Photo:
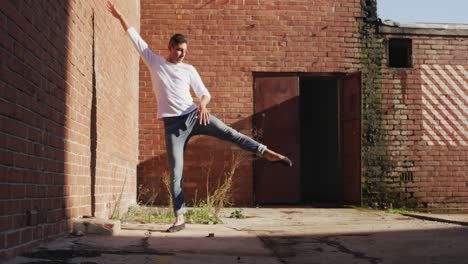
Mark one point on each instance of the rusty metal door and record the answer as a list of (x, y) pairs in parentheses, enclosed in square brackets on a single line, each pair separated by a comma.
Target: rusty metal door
[(276, 124), (349, 96)]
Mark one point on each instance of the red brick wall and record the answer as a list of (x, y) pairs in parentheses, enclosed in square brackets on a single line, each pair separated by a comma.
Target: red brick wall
[(68, 119), (425, 122), (229, 40)]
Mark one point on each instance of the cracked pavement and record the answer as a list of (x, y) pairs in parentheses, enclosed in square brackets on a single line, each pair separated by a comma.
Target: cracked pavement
[(271, 235)]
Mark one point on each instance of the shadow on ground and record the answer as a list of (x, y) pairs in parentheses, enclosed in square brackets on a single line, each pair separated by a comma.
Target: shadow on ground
[(272, 235)]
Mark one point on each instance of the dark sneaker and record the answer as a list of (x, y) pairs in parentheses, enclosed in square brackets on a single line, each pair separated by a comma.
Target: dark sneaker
[(176, 228), (285, 161)]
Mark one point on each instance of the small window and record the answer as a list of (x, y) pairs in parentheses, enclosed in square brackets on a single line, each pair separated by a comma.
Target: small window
[(399, 53)]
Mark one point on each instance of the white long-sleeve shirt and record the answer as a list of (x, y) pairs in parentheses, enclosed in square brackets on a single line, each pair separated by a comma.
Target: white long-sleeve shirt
[(171, 82)]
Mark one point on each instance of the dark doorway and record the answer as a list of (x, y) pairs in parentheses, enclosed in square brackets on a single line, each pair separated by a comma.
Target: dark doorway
[(314, 119), (320, 181)]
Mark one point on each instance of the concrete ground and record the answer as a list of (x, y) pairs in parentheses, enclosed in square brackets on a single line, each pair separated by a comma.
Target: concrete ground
[(275, 235)]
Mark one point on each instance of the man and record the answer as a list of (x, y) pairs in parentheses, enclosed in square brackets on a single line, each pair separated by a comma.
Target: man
[(172, 79)]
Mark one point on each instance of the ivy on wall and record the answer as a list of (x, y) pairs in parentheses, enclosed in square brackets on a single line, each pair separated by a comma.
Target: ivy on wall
[(376, 166)]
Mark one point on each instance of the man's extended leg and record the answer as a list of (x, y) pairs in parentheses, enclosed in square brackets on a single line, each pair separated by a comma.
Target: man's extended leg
[(217, 128)]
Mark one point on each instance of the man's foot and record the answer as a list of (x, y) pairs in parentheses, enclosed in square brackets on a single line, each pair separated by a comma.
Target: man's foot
[(274, 157), (178, 225), (176, 228), (285, 161)]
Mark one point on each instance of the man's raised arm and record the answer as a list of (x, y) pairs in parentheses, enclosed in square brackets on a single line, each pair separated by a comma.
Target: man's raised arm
[(115, 12)]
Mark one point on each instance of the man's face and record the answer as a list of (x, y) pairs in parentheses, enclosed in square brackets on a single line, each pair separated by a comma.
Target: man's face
[(177, 52)]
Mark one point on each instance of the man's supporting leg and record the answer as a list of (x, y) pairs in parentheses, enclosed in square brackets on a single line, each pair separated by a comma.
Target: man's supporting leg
[(175, 144), (175, 156)]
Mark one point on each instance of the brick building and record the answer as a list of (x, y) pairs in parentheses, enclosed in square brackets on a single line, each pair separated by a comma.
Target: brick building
[(302, 47), (371, 113), (319, 72), (424, 98), (68, 118)]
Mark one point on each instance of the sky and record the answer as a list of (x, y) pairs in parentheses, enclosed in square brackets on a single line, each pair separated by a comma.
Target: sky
[(427, 11)]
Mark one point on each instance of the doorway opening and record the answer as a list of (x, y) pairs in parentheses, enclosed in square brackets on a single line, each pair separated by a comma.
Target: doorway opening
[(315, 120), (320, 179)]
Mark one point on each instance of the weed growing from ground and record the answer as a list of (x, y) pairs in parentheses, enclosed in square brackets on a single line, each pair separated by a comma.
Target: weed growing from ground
[(204, 211), (238, 214), (207, 211), (145, 215)]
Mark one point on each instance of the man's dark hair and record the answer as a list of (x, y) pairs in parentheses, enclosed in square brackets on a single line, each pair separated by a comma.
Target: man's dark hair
[(177, 39)]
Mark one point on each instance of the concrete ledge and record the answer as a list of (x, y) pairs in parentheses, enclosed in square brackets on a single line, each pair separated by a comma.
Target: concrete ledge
[(458, 219), (97, 226)]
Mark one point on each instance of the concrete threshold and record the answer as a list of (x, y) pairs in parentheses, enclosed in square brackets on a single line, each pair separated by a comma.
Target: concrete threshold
[(96, 226)]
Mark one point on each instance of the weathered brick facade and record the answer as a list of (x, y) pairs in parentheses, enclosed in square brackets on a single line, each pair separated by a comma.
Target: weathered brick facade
[(229, 42), (68, 117), (78, 115), (425, 117)]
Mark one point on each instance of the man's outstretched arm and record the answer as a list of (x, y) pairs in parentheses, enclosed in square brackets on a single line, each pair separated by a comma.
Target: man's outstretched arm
[(141, 46), (115, 12)]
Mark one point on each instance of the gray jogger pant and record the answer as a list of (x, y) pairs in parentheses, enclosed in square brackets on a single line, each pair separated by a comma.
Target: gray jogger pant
[(179, 130)]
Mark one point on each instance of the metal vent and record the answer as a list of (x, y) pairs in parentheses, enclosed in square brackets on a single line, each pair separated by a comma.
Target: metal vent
[(407, 176)]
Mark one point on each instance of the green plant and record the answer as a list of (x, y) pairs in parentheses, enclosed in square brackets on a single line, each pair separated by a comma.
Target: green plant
[(207, 211), (221, 196), (376, 162), (144, 215), (238, 214), (202, 213)]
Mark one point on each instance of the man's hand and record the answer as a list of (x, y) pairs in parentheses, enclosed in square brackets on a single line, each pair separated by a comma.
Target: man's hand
[(203, 115), (115, 12), (112, 9)]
